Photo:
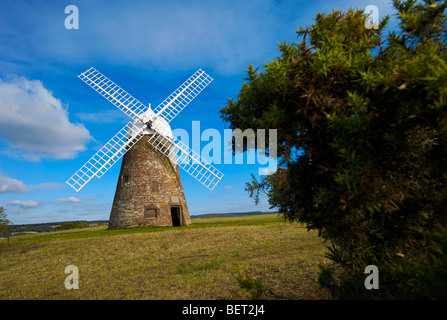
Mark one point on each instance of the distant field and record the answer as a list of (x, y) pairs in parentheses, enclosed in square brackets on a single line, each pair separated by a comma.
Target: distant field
[(202, 261)]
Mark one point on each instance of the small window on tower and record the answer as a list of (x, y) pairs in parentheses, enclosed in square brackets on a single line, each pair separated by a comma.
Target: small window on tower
[(150, 214), (125, 179)]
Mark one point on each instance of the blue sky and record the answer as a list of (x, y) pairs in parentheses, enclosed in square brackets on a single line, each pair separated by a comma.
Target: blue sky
[(51, 122)]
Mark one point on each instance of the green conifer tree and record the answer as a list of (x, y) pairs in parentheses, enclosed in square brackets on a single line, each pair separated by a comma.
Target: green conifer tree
[(361, 121)]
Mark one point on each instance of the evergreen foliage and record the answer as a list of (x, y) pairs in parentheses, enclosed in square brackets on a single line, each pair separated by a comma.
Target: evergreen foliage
[(4, 224), (361, 121)]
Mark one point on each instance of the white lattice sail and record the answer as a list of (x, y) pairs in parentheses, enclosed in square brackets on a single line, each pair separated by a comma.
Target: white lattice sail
[(107, 156), (113, 93), (145, 121), (187, 159), (183, 95)]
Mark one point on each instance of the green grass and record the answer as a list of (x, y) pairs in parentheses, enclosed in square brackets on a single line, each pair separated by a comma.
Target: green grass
[(203, 261), (103, 232)]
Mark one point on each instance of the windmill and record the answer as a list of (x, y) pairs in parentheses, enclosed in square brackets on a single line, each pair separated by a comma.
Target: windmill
[(149, 189)]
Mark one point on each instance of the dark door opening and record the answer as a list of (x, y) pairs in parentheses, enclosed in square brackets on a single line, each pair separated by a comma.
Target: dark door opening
[(176, 216)]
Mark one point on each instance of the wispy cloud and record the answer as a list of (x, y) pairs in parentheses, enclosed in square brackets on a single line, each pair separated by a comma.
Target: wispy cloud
[(35, 124), (163, 35), (72, 200), (11, 185), (19, 206), (68, 200), (227, 188), (25, 204)]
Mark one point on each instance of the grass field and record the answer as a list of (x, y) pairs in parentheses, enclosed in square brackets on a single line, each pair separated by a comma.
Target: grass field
[(207, 260)]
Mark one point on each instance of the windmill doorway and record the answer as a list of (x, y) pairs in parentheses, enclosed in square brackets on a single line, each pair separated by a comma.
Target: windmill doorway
[(176, 215)]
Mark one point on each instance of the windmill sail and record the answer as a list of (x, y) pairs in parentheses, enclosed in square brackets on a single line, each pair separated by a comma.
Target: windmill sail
[(187, 159), (147, 122), (195, 165), (183, 95), (113, 93), (107, 156)]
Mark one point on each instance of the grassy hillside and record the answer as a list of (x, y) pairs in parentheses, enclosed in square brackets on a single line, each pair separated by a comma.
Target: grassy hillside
[(207, 260)]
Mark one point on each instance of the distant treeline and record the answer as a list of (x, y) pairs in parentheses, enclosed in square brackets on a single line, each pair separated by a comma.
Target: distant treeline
[(66, 225), (29, 228), (50, 226), (71, 225)]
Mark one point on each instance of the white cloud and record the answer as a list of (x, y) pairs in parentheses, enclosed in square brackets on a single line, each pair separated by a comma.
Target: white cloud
[(25, 204), (35, 124), (69, 200), (18, 206), (227, 188), (10, 185)]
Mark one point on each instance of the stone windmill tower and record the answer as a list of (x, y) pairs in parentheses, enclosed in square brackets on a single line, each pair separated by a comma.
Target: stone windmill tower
[(149, 189)]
